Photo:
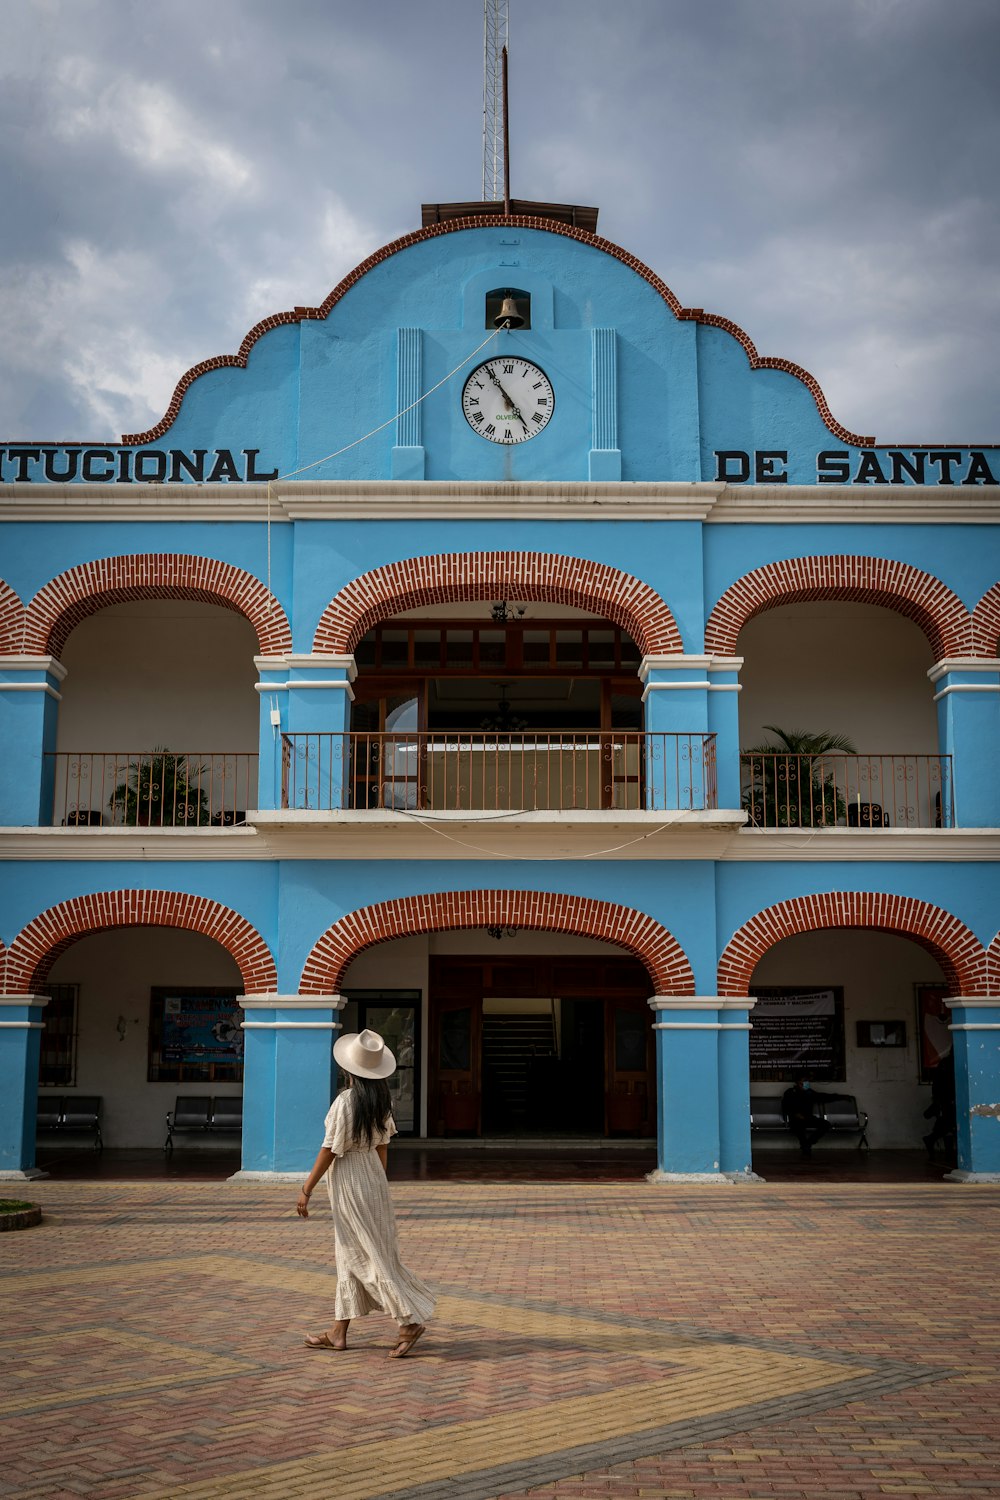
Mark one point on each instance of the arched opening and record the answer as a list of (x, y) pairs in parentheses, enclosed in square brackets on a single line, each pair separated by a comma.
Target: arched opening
[(838, 725), (138, 1017), (860, 1015), (506, 705), (158, 724)]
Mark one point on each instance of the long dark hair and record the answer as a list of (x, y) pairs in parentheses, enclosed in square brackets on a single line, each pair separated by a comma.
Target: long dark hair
[(372, 1108)]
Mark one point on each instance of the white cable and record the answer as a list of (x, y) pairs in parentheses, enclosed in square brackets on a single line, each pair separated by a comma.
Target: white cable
[(529, 858)]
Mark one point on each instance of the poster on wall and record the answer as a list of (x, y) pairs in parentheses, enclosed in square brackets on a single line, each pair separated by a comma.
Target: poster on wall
[(796, 1031), (195, 1034), (933, 1022)]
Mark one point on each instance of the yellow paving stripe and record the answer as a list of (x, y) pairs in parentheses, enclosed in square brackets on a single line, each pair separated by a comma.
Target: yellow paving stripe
[(737, 1377), (21, 1353)]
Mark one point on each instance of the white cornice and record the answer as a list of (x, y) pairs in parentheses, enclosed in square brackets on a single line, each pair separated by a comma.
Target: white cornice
[(433, 500), (543, 837), (941, 669), (51, 666)]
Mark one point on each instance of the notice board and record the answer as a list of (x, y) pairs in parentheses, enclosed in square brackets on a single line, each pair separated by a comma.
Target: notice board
[(797, 1031)]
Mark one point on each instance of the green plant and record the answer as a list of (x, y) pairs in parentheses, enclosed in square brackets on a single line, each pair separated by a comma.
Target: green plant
[(792, 784), (160, 790)]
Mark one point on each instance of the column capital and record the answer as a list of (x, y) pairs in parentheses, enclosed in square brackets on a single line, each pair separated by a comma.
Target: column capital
[(308, 662), (292, 1002), (702, 1002), (688, 663), (950, 664), (26, 1000)]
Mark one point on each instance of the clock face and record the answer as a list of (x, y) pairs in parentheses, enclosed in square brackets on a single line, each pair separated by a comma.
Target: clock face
[(507, 400)]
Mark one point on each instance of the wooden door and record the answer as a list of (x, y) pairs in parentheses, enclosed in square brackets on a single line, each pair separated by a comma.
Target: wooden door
[(455, 1065), (629, 1070)]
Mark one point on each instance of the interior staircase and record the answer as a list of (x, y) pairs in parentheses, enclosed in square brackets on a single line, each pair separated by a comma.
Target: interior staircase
[(510, 1043)]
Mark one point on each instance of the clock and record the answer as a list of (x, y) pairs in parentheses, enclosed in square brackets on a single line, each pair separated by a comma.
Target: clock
[(507, 399)]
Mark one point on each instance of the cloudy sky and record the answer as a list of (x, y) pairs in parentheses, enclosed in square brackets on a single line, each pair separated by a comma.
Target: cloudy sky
[(823, 173)]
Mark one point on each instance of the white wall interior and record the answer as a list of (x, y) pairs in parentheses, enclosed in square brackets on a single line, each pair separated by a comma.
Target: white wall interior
[(852, 669), (116, 972), (160, 672), (878, 972)]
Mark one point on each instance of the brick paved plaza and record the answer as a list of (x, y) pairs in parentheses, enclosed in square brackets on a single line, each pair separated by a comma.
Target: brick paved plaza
[(808, 1340)]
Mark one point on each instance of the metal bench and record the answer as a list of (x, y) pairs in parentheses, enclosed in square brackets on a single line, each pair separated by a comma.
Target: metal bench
[(204, 1116), (840, 1111), (70, 1114)]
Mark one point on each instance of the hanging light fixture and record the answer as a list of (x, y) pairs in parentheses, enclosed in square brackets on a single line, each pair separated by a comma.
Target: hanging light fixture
[(498, 932)]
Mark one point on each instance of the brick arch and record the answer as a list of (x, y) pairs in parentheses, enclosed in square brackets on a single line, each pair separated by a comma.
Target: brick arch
[(70, 597), (953, 945), (11, 620), (537, 911), (986, 624), (34, 950), (919, 596), (543, 577)]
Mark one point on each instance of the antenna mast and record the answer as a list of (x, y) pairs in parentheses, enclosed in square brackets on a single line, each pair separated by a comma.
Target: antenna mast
[(495, 22)]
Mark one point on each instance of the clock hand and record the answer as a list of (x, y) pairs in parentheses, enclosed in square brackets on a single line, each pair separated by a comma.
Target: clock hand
[(503, 393)]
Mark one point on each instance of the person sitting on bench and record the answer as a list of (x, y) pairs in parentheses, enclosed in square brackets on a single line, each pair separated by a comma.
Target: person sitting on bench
[(803, 1113)]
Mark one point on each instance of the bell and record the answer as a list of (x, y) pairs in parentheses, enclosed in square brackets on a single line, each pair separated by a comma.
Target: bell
[(508, 316)]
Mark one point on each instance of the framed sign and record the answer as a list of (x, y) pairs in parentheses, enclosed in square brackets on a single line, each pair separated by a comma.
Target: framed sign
[(881, 1033), (195, 1034), (797, 1031)]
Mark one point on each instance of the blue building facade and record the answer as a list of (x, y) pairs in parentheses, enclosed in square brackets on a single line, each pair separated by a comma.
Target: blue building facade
[(508, 657)]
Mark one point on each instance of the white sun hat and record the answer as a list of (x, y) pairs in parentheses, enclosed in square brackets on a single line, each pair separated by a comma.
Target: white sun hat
[(364, 1054)]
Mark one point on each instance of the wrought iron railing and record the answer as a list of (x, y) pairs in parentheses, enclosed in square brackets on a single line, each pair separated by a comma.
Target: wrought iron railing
[(151, 788), (780, 790), (489, 771)]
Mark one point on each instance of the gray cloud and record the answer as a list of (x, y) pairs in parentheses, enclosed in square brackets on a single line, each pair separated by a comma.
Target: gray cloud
[(821, 174)]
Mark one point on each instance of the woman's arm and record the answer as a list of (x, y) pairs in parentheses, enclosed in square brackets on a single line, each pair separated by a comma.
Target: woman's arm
[(383, 1156), (320, 1167)]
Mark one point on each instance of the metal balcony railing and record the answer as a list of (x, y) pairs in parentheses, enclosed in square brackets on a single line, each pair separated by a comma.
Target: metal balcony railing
[(489, 771), (151, 788), (780, 790)]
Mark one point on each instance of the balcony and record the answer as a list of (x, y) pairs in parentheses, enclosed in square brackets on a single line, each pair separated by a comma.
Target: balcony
[(151, 788), (854, 791), (489, 771)]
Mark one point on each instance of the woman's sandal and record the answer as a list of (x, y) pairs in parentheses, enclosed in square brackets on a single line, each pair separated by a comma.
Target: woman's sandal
[(406, 1341), (323, 1341)]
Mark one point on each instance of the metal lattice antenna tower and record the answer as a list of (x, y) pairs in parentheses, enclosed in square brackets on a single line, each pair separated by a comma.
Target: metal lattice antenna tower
[(495, 22)]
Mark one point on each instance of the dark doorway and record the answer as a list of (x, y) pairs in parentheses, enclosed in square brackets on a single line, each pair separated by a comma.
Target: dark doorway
[(543, 1046)]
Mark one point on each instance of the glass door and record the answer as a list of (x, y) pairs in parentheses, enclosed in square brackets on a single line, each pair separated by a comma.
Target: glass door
[(395, 1015)]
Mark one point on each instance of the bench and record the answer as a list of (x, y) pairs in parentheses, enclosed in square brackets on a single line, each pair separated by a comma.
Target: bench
[(70, 1114), (840, 1111), (204, 1115)]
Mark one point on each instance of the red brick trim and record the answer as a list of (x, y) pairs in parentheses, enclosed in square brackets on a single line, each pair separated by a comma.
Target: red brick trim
[(957, 950), (530, 576), (919, 596), (37, 945), (517, 221), (11, 620), (69, 598), (993, 962), (538, 911), (986, 624)]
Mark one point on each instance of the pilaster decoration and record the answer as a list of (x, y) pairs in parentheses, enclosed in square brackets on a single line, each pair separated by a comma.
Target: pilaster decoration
[(957, 949), (31, 674), (543, 577), (974, 1003), (409, 384), (605, 454), (38, 944), (699, 673), (273, 670), (898, 586), (62, 603), (536, 911)]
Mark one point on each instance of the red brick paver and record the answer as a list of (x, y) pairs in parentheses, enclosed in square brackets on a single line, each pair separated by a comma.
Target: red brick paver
[(800, 1341)]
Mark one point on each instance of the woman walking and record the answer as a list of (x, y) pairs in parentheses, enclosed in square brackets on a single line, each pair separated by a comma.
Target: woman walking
[(370, 1275)]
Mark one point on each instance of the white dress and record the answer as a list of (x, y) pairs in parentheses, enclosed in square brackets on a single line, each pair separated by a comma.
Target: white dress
[(370, 1275)]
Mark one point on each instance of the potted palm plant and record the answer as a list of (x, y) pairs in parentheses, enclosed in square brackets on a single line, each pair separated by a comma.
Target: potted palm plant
[(791, 783), (160, 790)]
